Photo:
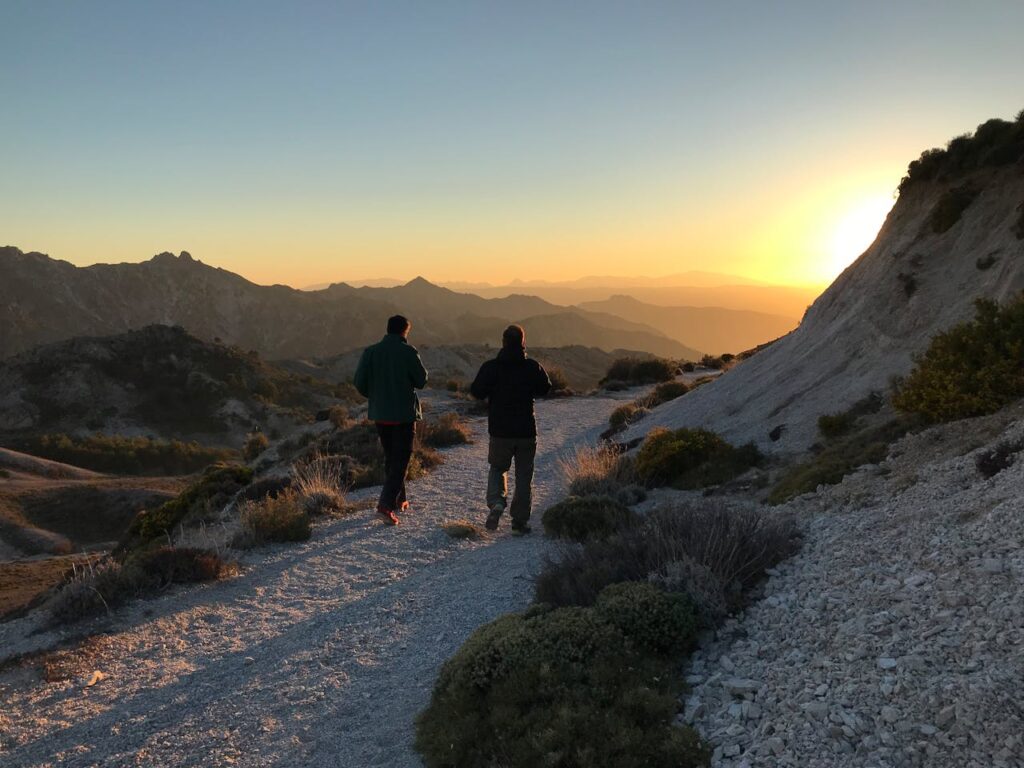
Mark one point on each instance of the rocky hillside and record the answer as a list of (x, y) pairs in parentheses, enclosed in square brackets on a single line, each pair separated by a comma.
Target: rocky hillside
[(155, 381), (43, 300), (955, 234)]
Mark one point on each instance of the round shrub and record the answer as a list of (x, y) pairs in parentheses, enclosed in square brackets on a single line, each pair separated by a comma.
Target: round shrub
[(669, 390), (651, 371), (690, 458), (651, 619), (584, 517)]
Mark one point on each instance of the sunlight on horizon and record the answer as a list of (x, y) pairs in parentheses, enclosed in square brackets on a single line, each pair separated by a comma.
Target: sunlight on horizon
[(856, 230)]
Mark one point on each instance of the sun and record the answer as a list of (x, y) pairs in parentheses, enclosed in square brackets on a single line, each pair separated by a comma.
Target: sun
[(857, 229)]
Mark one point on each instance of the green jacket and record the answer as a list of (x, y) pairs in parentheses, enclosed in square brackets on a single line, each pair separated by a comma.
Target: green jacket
[(388, 373)]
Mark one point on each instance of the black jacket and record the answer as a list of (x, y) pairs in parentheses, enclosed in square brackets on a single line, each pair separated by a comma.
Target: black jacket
[(509, 383)]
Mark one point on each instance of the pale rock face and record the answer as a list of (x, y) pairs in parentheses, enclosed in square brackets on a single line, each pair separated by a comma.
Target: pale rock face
[(869, 324)]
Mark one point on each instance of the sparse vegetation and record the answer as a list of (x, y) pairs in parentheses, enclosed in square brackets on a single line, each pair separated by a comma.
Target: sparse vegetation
[(121, 455), (972, 369), (317, 481), (665, 392), (833, 425), (94, 589), (462, 529), (339, 416), (277, 519), (583, 517), (624, 415), (632, 370), (866, 446), (446, 430), (196, 503), (691, 458), (596, 686), (255, 444), (559, 382)]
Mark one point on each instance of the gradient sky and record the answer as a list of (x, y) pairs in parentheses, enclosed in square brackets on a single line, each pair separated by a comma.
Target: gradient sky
[(309, 142)]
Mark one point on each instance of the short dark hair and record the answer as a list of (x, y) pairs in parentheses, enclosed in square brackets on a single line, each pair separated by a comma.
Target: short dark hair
[(514, 336), (398, 324)]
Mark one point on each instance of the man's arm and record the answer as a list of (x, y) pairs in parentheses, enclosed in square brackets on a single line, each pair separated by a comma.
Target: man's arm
[(483, 384), (417, 373), (362, 377), (542, 384)]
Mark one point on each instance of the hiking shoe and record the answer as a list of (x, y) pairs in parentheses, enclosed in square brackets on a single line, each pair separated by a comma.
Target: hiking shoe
[(494, 518), (404, 507), (521, 529), (388, 515)]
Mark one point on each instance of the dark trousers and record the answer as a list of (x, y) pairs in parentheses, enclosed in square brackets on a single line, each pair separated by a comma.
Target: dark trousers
[(396, 440), (500, 453)]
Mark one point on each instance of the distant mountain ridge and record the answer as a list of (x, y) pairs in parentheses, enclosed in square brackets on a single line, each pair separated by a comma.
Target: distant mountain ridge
[(44, 300)]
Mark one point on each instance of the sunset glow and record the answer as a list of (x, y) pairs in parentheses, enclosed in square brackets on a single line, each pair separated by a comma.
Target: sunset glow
[(857, 229)]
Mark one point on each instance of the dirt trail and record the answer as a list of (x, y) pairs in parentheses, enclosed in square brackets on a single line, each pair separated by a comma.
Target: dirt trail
[(319, 654)]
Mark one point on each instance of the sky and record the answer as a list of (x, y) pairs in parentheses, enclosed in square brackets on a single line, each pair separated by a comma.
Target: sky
[(306, 142)]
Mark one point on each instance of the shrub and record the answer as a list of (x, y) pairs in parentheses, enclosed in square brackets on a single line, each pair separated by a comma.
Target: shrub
[(691, 458), (317, 482), (558, 687), (652, 620), (602, 471), (255, 444), (269, 520), (207, 495), (734, 545), (715, 363), (635, 370), (662, 393), (447, 430), (625, 415), (583, 517), (339, 416), (452, 385), (462, 529), (688, 367), (120, 455), (985, 262), (950, 208), (99, 588), (835, 424), (993, 461), (972, 369)]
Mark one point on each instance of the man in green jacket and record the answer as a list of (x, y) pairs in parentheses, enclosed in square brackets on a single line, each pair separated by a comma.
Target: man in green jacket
[(388, 374)]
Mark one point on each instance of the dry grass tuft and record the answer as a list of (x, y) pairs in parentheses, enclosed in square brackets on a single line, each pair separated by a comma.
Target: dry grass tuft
[(601, 470), (462, 529), (273, 519)]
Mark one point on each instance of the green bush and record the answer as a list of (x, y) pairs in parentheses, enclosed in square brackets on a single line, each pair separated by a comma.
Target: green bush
[(691, 458), (203, 498), (121, 455), (653, 620), (662, 393), (583, 517), (972, 369), (562, 687), (274, 520)]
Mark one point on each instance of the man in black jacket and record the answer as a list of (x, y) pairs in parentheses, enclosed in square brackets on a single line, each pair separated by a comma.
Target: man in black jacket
[(509, 383)]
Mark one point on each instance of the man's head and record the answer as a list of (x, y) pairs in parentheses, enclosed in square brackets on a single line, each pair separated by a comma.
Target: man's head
[(399, 324), (514, 337)]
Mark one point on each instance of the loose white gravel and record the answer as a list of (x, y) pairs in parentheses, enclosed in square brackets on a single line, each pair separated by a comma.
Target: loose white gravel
[(896, 636), (320, 653)]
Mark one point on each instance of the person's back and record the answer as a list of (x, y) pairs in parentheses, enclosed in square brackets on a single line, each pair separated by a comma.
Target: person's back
[(509, 383), (389, 373)]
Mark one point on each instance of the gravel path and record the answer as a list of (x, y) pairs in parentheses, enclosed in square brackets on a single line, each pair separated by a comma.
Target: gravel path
[(896, 636), (318, 654)]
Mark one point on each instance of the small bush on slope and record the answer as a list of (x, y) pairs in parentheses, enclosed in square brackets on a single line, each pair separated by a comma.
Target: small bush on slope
[(255, 444), (270, 520), (571, 687), (638, 371), (584, 517), (665, 392), (96, 589), (691, 458), (701, 550), (602, 471), (972, 369)]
